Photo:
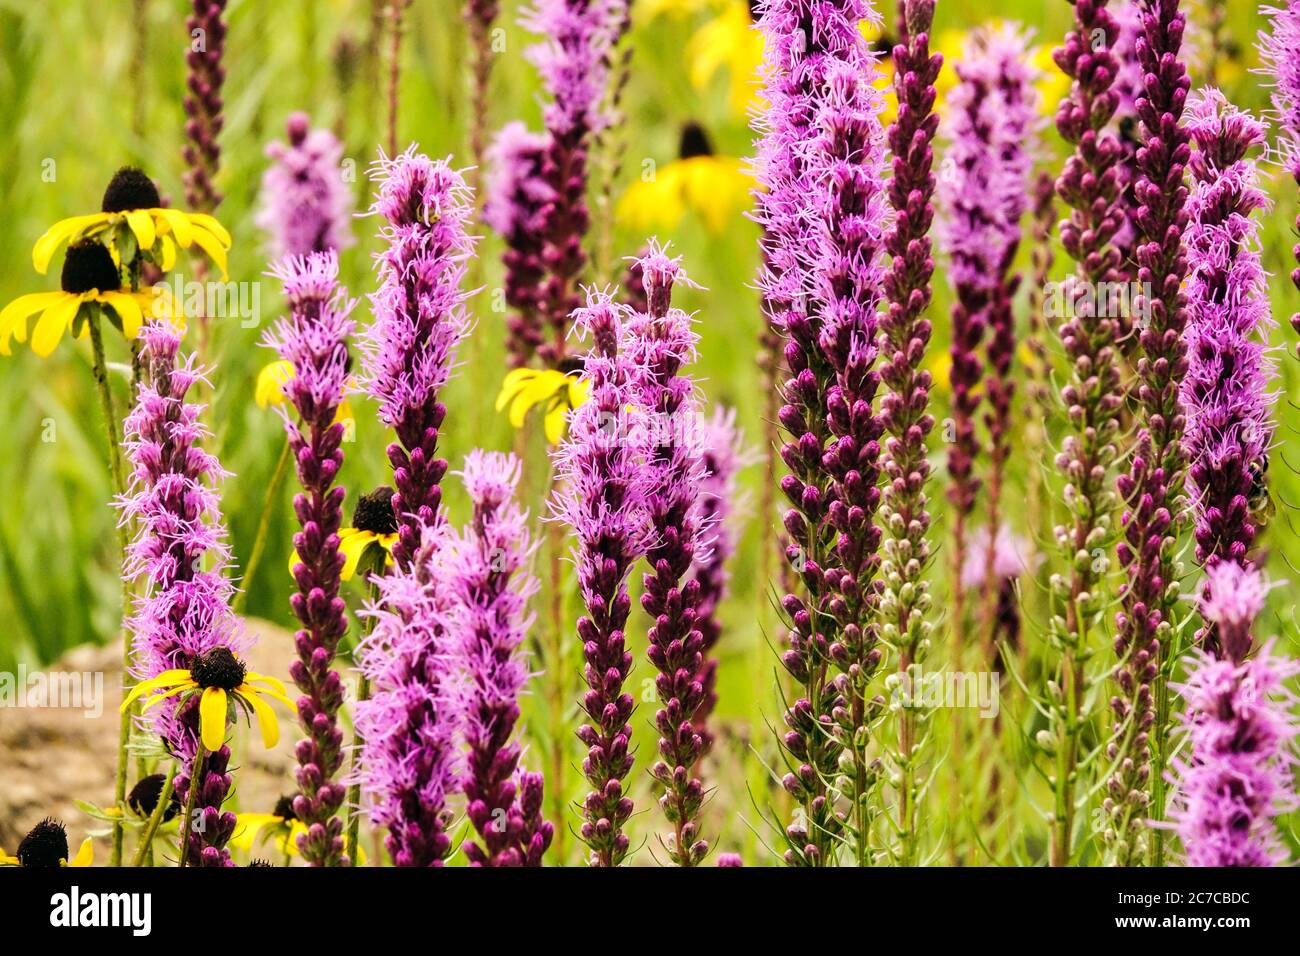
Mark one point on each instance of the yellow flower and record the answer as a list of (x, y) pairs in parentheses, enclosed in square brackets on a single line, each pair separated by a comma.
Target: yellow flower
[(374, 524), (882, 44), (46, 847), (270, 389), (132, 212), (90, 280), (715, 187), (562, 391), (645, 10), (729, 40), (222, 679), (282, 826)]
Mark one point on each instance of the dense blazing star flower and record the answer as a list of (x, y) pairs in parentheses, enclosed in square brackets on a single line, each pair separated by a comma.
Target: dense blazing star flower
[(491, 621), (1226, 389), (409, 763), (205, 75), (420, 318), (1280, 50), (45, 847), (306, 205), (602, 495), (715, 187)]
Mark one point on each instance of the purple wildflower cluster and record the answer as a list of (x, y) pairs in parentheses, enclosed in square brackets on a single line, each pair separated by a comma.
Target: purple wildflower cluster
[(184, 610), (1280, 50), (420, 318), (1225, 392), (314, 339), (306, 205), (825, 213), (206, 27), (492, 587)]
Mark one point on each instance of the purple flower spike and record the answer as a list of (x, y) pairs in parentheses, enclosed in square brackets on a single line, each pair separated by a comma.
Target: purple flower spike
[(518, 198), (1280, 50), (1239, 774), (409, 762), (1226, 389), (493, 585), (314, 339), (420, 318), (306, 206), (602, 495), (825, 215), (206, 27), (185, 608)]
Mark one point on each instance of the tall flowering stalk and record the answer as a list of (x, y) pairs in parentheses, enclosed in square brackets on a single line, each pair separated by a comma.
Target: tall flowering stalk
[(180, 556), (1239, 774), (306, 205), (661, 344), (573, 61), (1225, 392), (203, 104), (904, 408), (1280, 50), (601, 494), (409, 763), (492, 587), (314, 338), (479, 16), (1090, 186), (420, 318), (1152, 487), (824, 211), (518, 198)]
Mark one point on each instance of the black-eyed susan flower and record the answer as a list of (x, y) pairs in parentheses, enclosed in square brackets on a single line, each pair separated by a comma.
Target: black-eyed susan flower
[(269, 389), (374, 525), (222, 679), (90, 281), (131, 218), (144, 796), (729, 41), (715, 187), (46, 848), (561, 389)]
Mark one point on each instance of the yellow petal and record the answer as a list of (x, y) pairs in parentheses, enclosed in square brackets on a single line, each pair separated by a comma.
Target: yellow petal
[(168, 254), (59, 233), (271, 381), (270, 681), (128, 310), (212, 718), (157, 698), (141, 224), (215, 250), (515, 380), (204, 221), (179, 224), (6, 860), (85, 855), (352, 545), (13, 319), (247, 827), (53, 323), (555, 422), (546, 384), (265, 719), (165, 679)]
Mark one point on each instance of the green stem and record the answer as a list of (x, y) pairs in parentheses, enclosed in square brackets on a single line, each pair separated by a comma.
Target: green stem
[(375, 567), (1161, 738), (155, 818), (191, 795), (100, 368), (263, 526)]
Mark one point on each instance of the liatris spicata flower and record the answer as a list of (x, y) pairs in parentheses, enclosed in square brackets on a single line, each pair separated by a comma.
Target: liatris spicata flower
[(516, 207), (1090, 186), (824, 211), (180, 554), (1280, 51), (409, 763), (420, 318), (479, 15), (206, 27), (1152, 487), (1238, 776), (995, 119), (601, 495), (492, 586), (660, 343), (904, 409), (995, 563), (306, 206), (314, 339), (724, 453), (573, 62), (1225, 392)]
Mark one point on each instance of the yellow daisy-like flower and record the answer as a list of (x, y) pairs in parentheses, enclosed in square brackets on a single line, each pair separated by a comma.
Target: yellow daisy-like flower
[(374, 525), (132, 212), (90, 280), (282, 826), (222, 679), (561, 389), (46, 848), (270, 389), (646, 10), (715, 187), (731, 41)]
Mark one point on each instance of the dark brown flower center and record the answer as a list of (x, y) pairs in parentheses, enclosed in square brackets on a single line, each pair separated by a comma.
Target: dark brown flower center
[(45, 847), (374, 512), (143, 798), (694, 142), (130, 188), (218, 667), (88, 266)]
